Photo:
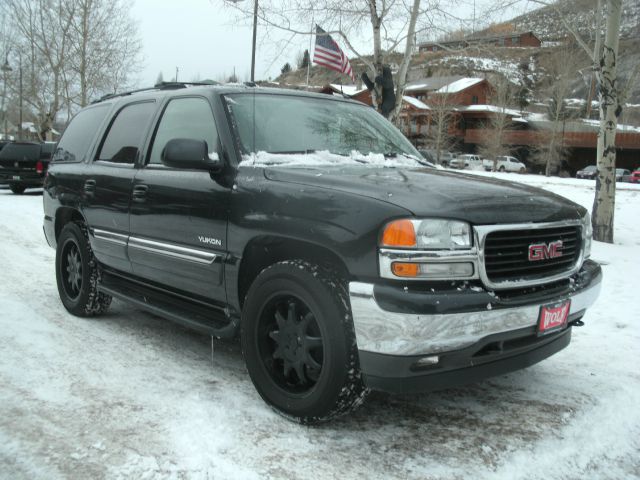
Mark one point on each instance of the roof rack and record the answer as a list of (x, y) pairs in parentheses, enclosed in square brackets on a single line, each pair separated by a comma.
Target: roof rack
[(157, 86)]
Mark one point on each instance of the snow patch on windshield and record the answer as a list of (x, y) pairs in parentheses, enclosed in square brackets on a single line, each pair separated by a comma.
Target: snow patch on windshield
[(324, 158)]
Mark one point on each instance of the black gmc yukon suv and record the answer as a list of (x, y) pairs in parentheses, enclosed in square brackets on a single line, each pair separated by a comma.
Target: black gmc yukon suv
[(306, 225)]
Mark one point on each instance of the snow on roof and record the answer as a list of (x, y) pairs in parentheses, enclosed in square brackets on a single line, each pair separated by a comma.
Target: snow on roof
[(620, 127), (489, 108), (459, 85), (30, 127), (416, 103), (431, 83), (349, 90)]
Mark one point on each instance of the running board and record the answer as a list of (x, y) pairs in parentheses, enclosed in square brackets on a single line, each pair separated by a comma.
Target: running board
[(205, 319)]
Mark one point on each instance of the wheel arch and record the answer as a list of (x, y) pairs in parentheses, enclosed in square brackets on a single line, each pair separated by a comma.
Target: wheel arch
[(266, 250), (65, 215)]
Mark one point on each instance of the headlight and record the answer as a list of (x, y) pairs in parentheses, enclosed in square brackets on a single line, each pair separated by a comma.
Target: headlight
[(428, 234), (587, 234), (428, 249)]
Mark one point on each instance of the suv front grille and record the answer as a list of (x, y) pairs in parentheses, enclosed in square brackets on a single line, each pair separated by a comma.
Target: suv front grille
[(506, 253)]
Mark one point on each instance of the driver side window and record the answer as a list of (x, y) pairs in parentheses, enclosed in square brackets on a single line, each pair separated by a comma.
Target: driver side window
[(184, 118)]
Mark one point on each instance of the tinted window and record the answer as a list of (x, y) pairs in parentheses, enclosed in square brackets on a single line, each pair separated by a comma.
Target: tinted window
[(20, 151), (126, 134), (185, 118), (79, 133)]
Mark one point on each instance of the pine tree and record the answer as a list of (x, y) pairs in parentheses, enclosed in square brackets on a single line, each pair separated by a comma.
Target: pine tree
[(305, 60), (286, 68)]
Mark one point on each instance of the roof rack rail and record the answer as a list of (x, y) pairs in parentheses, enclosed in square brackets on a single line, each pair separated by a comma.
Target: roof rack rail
[(157, 86)]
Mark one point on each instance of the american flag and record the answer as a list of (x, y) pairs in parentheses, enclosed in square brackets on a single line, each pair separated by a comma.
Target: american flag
[(328, 54)]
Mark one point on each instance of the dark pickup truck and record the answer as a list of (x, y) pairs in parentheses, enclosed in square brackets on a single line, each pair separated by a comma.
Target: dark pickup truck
[(24, 164), (310, 227)]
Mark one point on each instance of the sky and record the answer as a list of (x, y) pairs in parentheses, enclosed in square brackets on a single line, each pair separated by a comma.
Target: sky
[(203, 39)]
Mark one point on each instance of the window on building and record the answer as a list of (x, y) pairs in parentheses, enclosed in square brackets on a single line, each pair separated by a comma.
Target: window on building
[(474, 100), (515, 40)]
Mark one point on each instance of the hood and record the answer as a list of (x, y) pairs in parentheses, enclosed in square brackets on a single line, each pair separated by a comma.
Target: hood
[(427, 192)]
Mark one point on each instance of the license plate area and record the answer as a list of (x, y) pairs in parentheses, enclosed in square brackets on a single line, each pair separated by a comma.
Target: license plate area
[(553, 317), (16, 177)]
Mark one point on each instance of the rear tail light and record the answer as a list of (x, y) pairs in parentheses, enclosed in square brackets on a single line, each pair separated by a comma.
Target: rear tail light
[(39, 167)]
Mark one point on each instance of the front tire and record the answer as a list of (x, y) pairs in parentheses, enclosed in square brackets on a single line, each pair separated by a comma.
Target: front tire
[(299, 344), (77, 273), (17, 189)]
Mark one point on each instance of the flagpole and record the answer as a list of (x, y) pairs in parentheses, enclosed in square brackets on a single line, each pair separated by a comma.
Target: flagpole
[(310, 46)]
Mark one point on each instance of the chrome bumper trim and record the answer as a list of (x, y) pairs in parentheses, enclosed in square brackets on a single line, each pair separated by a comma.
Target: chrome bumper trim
[(380, 331)]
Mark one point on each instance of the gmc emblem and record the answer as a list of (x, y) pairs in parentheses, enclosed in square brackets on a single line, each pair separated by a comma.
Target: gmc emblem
[(542, 251)]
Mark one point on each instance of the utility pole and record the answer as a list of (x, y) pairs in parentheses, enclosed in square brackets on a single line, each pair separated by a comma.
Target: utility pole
[(176, 74), (20, 124), (6, 68), (253, 48)]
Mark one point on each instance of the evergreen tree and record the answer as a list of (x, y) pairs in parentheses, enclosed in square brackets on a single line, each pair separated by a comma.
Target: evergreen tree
[(286, 68), (304, 63)]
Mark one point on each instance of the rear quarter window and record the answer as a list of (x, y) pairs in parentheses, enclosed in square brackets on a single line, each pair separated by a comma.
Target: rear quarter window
[(79, 134)]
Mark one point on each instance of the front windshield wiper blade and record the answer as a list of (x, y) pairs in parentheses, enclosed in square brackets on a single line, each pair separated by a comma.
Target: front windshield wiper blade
[(292, 152), (406, 155)]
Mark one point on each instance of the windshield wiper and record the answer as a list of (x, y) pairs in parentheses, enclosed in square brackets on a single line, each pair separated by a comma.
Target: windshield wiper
[(293, 152), (406, 155)]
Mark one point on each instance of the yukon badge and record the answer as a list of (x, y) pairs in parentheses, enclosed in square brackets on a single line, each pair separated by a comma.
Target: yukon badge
[(543, 251), (216, 242)]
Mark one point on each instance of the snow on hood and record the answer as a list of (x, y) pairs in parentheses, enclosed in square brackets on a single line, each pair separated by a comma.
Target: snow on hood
[(325, 158)]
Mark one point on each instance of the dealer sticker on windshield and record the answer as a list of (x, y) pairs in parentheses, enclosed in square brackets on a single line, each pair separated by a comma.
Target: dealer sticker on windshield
[(553, 317)]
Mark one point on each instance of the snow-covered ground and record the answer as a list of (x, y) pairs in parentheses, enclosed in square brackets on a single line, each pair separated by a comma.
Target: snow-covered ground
[(130, 395)]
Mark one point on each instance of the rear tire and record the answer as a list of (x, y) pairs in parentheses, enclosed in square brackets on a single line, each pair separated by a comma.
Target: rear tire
[(17, 189), (522, 170), (77, 273), (299, 344), (502, 169)]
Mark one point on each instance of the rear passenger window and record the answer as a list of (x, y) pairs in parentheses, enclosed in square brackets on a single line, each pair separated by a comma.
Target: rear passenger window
[(77, 137), (184, 118), (126, 134)]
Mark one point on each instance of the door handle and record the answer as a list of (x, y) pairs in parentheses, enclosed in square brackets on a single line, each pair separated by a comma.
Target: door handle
[(90, 187), (140, 193)]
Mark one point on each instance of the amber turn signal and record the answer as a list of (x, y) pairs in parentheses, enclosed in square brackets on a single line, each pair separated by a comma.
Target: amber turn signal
[(405, 269), (399, 233)]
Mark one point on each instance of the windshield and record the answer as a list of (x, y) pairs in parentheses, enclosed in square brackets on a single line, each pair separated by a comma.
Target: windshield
[(287, 129)]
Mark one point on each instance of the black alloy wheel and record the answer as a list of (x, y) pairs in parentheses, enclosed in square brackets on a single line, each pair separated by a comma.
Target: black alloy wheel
[(290, 343), (299, 342), (71, 269), (77, 273)]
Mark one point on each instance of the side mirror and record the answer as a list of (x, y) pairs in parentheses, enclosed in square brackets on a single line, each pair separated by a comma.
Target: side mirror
[(190, 154)]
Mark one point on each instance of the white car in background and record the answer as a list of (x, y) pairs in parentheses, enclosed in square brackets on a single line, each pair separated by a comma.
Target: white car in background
[(472, 162), (505, 164)]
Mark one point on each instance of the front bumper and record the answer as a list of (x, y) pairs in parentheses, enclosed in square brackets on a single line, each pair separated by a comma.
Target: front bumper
[(489, 333)]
